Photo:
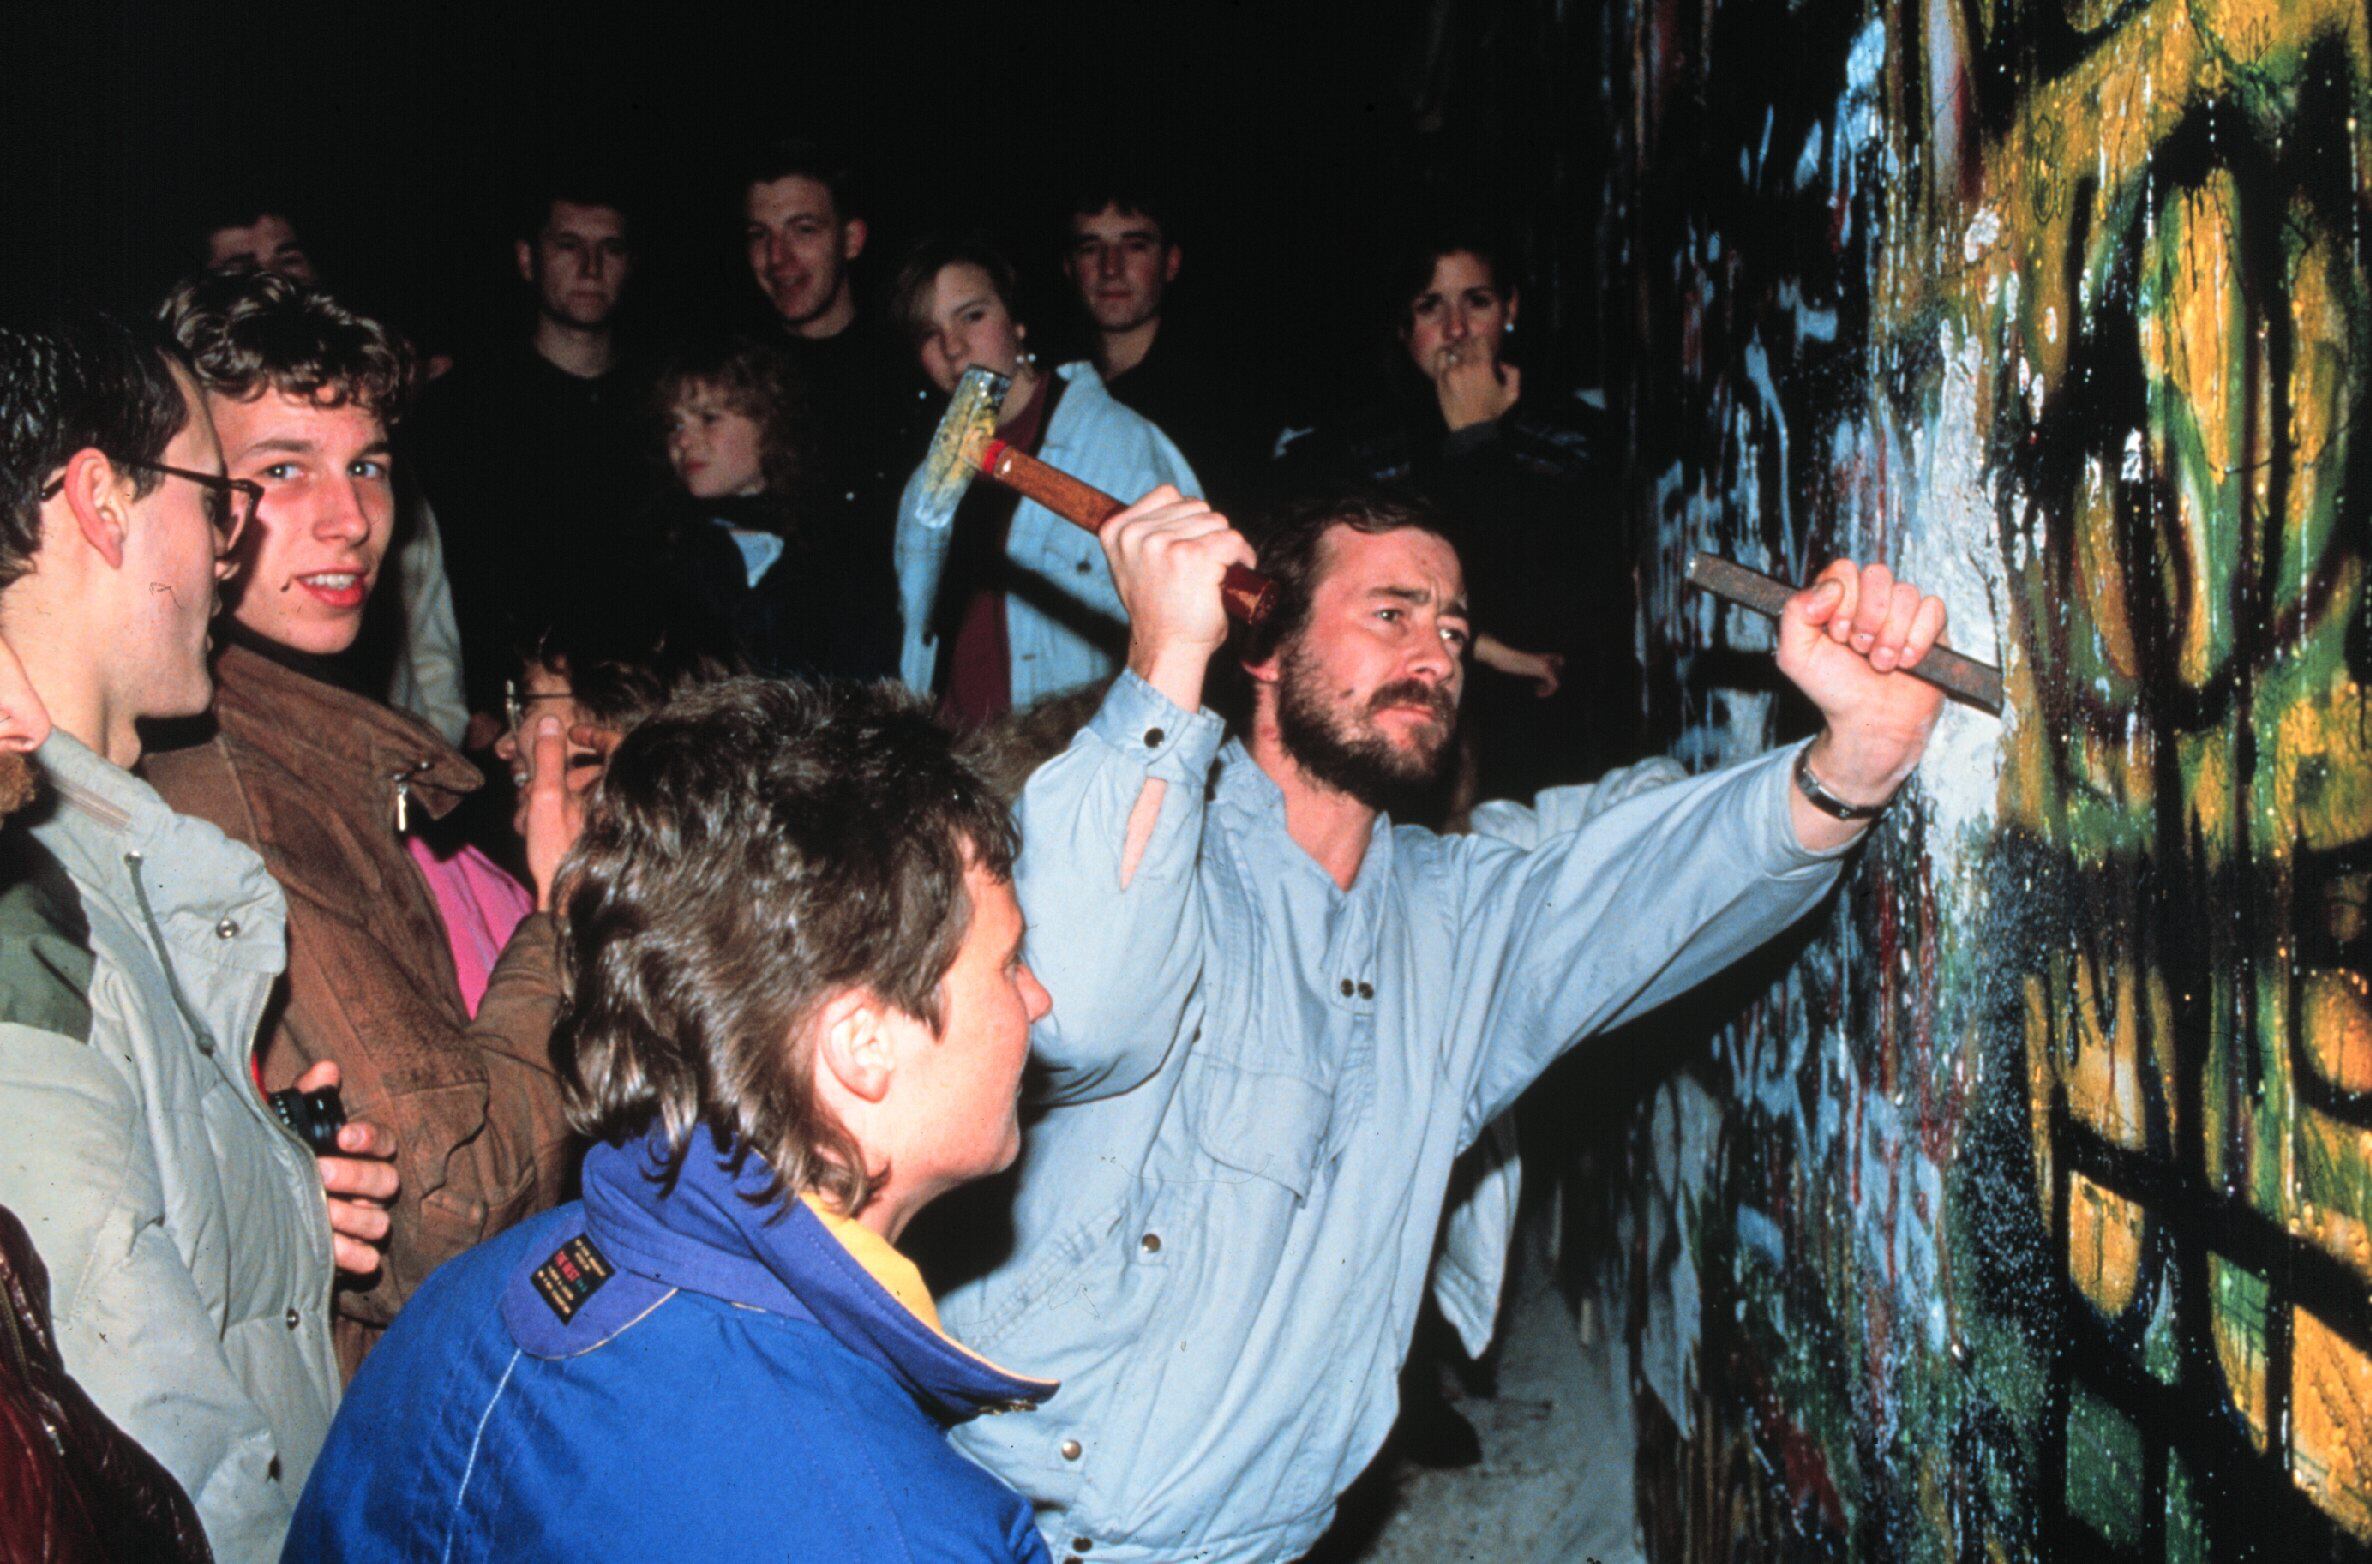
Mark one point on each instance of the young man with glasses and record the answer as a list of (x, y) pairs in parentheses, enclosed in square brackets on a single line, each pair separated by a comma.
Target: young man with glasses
[(185, 1230), (335, 788)]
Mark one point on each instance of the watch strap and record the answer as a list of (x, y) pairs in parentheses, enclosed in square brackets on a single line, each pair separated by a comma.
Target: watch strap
[(1820, 798)]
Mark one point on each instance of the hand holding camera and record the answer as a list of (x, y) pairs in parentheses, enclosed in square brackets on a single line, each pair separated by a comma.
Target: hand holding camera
[(357, 1162)]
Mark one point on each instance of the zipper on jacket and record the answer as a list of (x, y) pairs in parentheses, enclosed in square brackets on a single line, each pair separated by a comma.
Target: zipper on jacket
[(164, 956), (403, 792)]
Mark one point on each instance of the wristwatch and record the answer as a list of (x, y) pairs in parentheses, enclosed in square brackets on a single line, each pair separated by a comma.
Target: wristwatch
[(1825, 801)]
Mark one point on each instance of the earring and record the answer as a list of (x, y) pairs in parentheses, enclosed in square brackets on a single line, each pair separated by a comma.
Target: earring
[(1507, 328)]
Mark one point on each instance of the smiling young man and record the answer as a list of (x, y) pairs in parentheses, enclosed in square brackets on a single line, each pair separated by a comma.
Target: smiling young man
[(329, 785), (184, 1228), (802, 233), (1278, 1017), (797, 1014)]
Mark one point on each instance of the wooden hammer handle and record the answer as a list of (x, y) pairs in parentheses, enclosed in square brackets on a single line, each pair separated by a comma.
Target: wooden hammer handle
[(1964, 678), (1249, 595)]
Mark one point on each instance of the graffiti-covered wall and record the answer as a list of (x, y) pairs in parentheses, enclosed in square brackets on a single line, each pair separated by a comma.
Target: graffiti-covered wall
[(2031, 1211)]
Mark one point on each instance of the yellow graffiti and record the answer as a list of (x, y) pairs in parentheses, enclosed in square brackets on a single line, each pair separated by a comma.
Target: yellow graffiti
[(2330, 1455), (2195, 636), (2104, 1232)]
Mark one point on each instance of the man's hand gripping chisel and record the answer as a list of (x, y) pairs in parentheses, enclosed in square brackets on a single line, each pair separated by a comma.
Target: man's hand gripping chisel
[(1962, 678), (967, 445)]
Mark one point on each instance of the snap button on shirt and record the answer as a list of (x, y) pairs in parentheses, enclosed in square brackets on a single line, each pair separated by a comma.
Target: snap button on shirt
[(1072, 1449), (228, 928), (1150, 1243)]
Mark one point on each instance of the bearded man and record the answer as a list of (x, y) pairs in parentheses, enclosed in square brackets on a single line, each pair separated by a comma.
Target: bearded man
[(1278, 1017)]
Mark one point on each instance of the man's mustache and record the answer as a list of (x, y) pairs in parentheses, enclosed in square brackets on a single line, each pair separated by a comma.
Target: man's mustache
[(1415, 692)]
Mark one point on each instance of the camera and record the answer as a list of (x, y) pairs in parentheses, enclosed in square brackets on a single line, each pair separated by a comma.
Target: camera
[(316, 1117)]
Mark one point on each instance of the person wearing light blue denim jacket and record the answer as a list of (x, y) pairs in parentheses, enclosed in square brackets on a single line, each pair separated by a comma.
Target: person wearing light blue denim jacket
[(1067, 630), (1278, 1017)]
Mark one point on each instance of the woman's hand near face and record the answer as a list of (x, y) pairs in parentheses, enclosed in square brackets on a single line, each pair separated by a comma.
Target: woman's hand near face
[(1471, 384), (555, 787)]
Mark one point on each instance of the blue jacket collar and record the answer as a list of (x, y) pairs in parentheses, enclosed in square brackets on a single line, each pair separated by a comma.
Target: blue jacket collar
[(716, 1232)]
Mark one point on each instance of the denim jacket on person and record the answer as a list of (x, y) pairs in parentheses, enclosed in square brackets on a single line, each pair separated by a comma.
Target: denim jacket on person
[(1067, 627), (1256, 1085), (184, 1227), (668, 1371)]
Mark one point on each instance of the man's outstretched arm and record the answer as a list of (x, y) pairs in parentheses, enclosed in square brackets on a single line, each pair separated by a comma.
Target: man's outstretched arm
[(1111, 828), (1662, 892)]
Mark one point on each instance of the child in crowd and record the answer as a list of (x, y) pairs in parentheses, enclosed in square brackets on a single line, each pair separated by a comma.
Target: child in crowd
[(753, 550)]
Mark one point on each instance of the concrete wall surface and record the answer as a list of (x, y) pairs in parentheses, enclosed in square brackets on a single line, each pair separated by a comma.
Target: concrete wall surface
[(2028, 1211)]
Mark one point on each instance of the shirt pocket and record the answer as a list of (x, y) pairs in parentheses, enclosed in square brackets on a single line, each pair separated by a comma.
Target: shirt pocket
[(1061, 1278), (1257, 1123)]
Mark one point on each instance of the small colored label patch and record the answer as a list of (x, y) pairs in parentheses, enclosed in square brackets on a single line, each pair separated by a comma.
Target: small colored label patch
[(573, 1275)]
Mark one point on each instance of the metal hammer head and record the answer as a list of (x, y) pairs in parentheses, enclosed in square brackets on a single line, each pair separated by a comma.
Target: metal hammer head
[(964, 432)]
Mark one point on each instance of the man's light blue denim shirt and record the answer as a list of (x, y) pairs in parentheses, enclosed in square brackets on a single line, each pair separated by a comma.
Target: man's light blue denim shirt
[(1257, 1082)]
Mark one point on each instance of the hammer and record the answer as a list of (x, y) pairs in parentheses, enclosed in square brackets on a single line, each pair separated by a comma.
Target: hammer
[(967, 444)]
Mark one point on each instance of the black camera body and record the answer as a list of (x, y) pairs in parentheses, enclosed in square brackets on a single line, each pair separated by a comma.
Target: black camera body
[(316, 1117)]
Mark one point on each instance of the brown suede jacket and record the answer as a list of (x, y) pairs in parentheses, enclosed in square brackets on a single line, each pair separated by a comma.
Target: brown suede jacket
[(309, 775)]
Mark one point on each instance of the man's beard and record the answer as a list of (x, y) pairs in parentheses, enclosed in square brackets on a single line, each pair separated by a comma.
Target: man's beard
[(1368, 766)]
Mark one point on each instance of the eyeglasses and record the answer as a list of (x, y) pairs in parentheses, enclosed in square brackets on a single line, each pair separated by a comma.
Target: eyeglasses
[(514, 702), (230, 502)]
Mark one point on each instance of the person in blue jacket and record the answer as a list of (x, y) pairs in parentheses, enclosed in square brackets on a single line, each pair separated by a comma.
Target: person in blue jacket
[(795, 1013)]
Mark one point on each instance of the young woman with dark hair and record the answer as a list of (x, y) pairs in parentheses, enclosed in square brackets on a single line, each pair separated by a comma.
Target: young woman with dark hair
[(1517, 468)]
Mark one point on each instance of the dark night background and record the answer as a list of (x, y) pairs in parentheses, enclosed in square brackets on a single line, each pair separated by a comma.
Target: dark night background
[(1295, 138)]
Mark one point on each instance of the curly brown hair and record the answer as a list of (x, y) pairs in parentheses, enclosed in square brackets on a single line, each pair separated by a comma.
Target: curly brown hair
[(757, 381), (247, 332)]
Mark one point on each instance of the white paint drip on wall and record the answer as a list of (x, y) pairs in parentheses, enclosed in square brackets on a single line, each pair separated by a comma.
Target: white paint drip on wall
[(1984, 230), (1950, 550)]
